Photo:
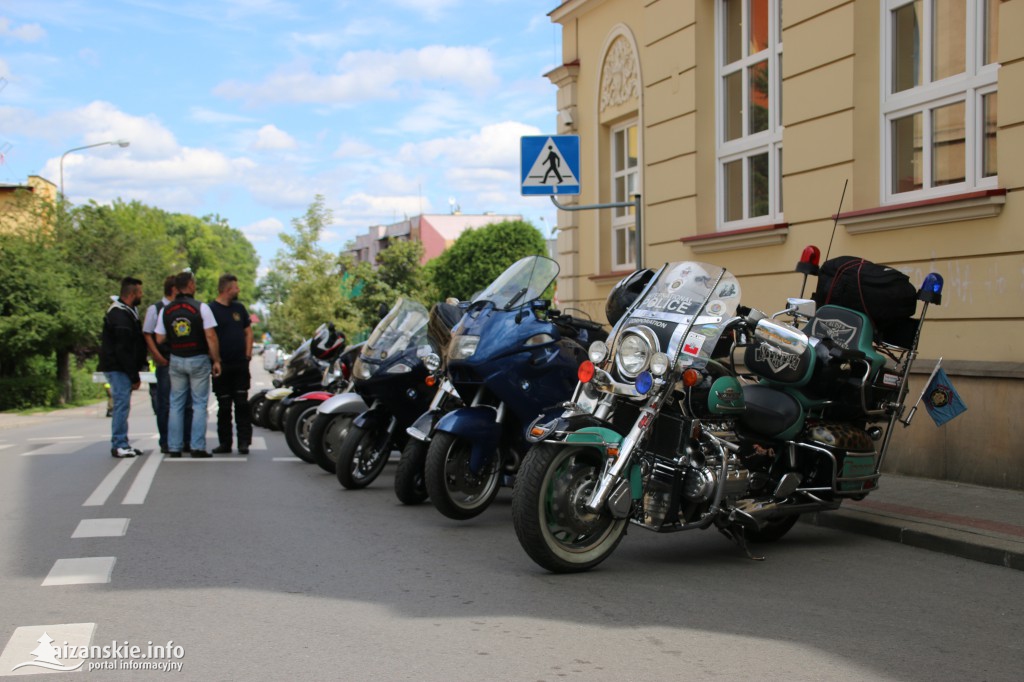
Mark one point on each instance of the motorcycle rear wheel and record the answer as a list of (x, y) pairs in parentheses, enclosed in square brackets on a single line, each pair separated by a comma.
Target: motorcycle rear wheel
[(326, 435), (362, 456), (410, 487), (455, 490), (551, 522), (263, 411), (298, 421)]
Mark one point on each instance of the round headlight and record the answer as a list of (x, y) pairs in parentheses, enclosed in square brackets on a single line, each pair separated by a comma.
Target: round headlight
[(598, 352), (632, 354), (432, 362), (659, 364)]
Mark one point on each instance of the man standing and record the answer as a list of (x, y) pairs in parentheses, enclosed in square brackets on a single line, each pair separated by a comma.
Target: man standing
[(234, 333), (160, 392), (122, 355), (188, 326)]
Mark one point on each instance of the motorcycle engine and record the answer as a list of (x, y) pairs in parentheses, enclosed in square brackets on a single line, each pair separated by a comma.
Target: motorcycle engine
[(699, 483)]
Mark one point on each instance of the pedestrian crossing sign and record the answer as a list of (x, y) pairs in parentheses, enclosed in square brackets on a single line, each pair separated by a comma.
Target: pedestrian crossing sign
[(549, 164)]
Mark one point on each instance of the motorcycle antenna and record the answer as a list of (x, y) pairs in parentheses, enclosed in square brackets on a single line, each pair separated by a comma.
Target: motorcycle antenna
[(835, 222)]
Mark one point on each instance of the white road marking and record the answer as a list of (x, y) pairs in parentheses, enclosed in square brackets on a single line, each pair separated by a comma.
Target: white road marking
[(47, 438), (106, 487), (143, 480), (186, 458), (53, 449), (86, 571), (4, 447), (286, 459), (26, 639), (100, 528)]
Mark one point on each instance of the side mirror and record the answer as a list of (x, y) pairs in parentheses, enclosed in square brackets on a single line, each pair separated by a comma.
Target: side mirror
[(804, 307)]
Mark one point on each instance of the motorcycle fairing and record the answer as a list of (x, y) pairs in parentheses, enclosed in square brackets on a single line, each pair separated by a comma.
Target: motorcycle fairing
[(771, 412), (343, 403), (313, 395)]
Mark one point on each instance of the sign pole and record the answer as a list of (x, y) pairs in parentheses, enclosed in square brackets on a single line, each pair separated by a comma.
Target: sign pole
[(636, 205)]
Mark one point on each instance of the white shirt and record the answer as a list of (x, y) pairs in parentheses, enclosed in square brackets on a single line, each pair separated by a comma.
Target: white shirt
[(149, 324), (209, 321)]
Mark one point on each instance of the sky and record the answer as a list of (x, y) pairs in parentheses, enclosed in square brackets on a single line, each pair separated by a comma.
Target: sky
[(250, 108)]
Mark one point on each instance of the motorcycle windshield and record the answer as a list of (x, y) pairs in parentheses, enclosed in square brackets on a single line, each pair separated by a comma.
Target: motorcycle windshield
[(675, 297), (405, 325), (525, 280)]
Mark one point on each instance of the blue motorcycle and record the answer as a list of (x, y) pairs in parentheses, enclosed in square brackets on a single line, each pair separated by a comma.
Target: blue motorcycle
[(510, 357)]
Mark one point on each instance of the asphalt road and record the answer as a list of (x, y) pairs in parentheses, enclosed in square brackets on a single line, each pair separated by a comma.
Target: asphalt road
[(265, 568)]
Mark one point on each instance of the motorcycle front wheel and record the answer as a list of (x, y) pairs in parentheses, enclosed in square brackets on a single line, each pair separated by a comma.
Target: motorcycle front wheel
[(455, 489), (362, 456), (409, 485), (326, 435), (548, 512), (275, 415), (297, 424), (773, 530)]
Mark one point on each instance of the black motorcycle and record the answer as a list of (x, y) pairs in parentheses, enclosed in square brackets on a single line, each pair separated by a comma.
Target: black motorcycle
[(301, 408), (389, 376)]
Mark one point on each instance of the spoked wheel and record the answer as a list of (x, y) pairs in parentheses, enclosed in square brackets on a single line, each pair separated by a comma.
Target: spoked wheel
[(255, 403), (549, 512), (773, 531), (362, 456), (297, 424), (409, 485), (456, 490), (326, 435)]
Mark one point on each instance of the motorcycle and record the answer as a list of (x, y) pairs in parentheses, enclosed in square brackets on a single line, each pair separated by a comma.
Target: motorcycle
[(663, 432), (510, 357), (301, 409), (302, 372), (410, 487), (389, 376)]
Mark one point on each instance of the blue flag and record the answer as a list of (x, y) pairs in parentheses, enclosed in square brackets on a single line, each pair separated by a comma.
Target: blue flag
[(941, 399)]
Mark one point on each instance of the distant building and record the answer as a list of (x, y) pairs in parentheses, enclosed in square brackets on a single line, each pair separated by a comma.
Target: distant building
[(435, 232), (17, 208)]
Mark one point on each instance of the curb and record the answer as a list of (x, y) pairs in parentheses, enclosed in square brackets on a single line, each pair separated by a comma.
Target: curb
[(965, 544)]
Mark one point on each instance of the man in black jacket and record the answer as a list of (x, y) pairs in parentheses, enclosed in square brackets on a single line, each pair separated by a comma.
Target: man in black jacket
[(122, 355)]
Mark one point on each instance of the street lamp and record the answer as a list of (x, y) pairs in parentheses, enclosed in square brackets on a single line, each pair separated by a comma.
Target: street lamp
[(119, 143)]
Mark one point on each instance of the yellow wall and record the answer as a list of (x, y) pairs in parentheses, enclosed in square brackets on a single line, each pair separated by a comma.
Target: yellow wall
[(25, 207)]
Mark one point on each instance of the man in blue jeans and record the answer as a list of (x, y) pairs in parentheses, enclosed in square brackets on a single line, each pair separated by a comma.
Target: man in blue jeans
[(160, 392), (122, 355), (188, 327)]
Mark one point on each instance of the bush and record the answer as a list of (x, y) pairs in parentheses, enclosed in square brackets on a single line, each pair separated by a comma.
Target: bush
[(18, 393), (83, 389)]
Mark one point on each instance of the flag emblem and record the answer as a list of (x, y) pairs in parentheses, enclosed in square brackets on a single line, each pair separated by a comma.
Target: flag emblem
[(941, 399)]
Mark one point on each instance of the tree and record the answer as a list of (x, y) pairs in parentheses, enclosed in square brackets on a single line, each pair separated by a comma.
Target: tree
[(398, 273), (478, 256)]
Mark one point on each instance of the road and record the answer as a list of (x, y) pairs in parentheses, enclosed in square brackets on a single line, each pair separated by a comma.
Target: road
[(265, 568)]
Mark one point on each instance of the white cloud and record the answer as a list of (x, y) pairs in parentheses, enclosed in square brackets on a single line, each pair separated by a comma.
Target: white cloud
[(28, 33), (204, 115), (368, 75), (270, 137), (495, 146), (263, 230), (89, 56), (432, 9), (5, 70), (354, 148)]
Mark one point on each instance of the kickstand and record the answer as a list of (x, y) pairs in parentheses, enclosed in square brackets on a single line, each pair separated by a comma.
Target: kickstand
[(735, 533)]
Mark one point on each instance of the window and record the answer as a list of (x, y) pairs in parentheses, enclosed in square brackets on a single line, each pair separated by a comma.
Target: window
[(749, 49), (939, 97), (625, 177)]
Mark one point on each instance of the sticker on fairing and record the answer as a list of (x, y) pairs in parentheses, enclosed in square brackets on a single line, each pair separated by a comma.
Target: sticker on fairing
[(693, 344)]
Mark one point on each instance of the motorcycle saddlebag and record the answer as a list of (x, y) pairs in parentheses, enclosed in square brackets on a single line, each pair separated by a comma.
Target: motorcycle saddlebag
[(882, 293)]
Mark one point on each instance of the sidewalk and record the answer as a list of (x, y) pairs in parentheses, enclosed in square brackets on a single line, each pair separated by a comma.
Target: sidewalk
[(969, 521)]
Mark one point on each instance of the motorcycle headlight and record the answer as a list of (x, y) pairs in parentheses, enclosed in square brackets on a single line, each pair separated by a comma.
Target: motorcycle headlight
[(432, 362), (399, 368), (362, 370), (463, 347), (659, 364), (632, 355), (598, 352)]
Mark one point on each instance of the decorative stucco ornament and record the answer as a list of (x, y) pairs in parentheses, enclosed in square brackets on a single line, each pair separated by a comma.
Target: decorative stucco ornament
[(620, 78)]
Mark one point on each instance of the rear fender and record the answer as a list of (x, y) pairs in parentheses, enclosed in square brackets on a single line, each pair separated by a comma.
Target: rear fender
[(343, 403), (479, 426)]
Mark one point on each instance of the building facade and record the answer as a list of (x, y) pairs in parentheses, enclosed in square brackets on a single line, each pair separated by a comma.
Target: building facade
[(742, 123), (25, 207), (436, 233)]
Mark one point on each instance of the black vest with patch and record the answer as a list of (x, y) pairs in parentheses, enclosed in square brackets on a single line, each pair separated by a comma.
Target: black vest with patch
[(183, 322)]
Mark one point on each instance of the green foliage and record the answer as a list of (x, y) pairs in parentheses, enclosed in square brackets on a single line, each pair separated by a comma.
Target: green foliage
[(305, 281), (17, 393), (478, 256), (398, 274)]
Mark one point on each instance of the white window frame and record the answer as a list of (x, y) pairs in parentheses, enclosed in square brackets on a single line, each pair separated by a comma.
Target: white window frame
[(749, 145), (977, 80), (624, 220)]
